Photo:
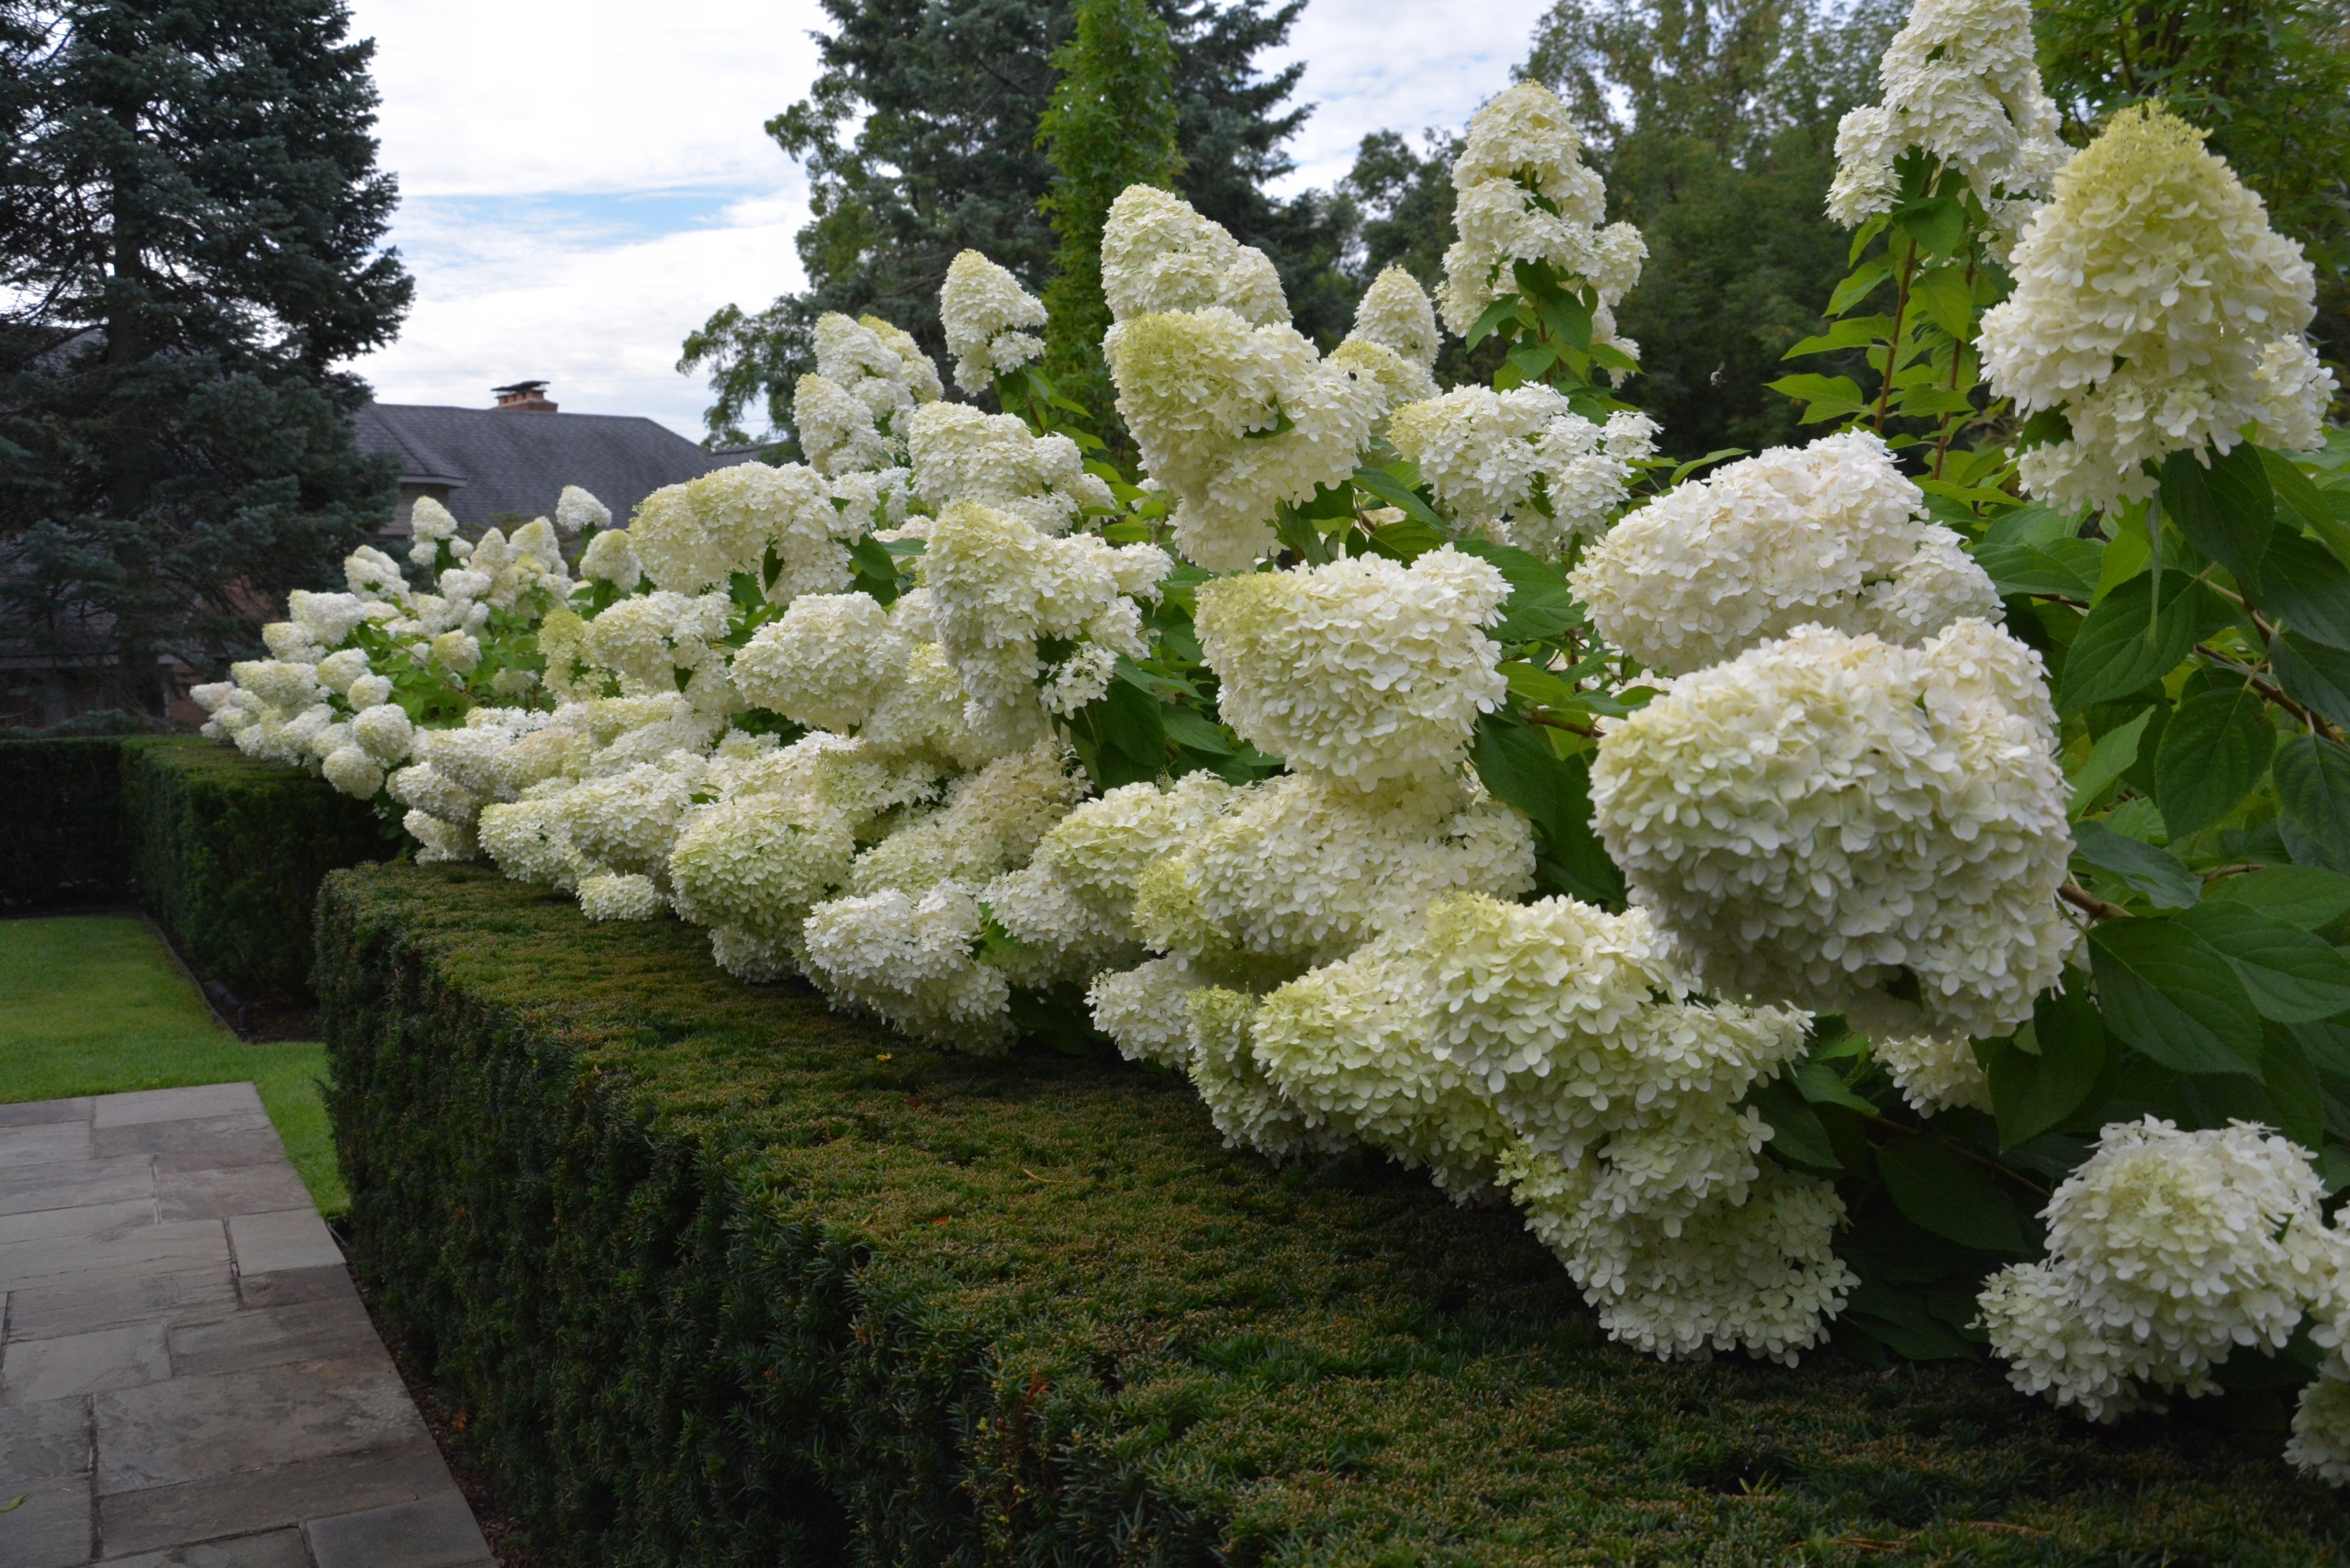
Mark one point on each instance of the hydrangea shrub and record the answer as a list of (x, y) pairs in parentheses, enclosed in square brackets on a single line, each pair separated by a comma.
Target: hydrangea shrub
[(1884, 887)]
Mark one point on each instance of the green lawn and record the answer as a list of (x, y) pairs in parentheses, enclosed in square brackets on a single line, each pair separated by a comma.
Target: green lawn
[(93, 1004)]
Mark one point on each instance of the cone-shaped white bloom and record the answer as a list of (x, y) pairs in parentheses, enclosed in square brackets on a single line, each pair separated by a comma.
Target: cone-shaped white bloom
[(2158, 310), (988, 319), (1959, 82)]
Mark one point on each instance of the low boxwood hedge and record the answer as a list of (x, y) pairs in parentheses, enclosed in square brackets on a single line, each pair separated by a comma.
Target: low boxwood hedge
[(719, 1277), (224, 851)]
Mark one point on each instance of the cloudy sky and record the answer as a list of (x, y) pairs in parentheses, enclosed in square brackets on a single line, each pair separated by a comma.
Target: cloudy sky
[(580, 189)]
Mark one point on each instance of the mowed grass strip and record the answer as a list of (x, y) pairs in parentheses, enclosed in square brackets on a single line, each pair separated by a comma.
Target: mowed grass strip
[(93, 1004)]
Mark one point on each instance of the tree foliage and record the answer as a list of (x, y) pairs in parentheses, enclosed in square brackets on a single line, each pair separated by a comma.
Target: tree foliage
[(947, 158), (1111, 124), (190, 228)]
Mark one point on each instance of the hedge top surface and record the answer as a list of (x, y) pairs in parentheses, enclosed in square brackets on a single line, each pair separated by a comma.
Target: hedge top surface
[(1329, 1363)]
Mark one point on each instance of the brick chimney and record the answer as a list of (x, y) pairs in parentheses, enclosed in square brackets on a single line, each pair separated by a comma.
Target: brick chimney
[(524, 397)]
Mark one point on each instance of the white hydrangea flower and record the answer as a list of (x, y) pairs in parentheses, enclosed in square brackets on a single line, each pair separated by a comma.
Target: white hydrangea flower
[(961, 454), (1960, 82), (2320, 1442), (618, 895), (576, 512), (1523, 146), (349, 770), (695, 536), (1396, 314), (909, 961), (1934, 1072), (530, 844), (828, 664), (291, 643), (1246, 1106), (1303, 871), (877, 364), (1158, 254), (1830, 534), (372, 574), (2168, 1252), (1756, 1275), (1350, 1045), (610, 557), (1236, 420), (1063, 939), (1363, 671), (997, 584), (630, 820), (2150, 296), (1475, 447), (1145, 1010), (327, 619), (835, 429), (989, 824), (646, 640), (442, 841), (1586, 472), (988, 320), (429, 523), (1826, 817), (383, 731), (757, 864)]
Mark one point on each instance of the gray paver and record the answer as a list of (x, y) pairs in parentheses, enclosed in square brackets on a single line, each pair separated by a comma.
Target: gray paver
[(263, 1499), (432, 1532), (41, 1370), (151, 1250), (217, 1194), (290, 1239), (50, 1528), (187, 1377), (328, 1329), (82, 1219), (77, 1306), (272, 1549), (206, 1143), (193, 1427), (32, 1113), (176, 1104), (28, 1189), (290, 1285), (44, 1442), (46, 1143)]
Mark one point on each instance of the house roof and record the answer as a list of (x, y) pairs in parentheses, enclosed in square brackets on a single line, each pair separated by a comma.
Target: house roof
[(496, 461)]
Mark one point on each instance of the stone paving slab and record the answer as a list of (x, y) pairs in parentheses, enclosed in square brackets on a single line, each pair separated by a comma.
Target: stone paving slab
[(187, 1377)]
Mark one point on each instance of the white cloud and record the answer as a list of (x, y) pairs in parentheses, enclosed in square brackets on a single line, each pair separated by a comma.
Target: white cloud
[(1397, 65), (582, 184)]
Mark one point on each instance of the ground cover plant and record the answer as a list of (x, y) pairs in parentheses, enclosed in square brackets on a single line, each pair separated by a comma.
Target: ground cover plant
[(1886, 883), (94, 1005)]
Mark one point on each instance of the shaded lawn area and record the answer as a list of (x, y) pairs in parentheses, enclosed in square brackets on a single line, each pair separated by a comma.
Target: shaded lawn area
[(93, 1004)]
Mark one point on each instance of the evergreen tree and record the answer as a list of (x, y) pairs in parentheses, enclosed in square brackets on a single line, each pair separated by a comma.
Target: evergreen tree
[(953, 93), (191, 243), (1111, 124)]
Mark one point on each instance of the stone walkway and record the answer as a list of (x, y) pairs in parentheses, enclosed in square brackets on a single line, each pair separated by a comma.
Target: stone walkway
[(187, 1375)]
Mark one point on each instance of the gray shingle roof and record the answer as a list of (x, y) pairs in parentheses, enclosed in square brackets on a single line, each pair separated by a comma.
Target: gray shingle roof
[(504, 460)]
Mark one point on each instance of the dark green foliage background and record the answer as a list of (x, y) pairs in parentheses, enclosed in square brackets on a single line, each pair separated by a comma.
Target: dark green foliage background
[(720, 1277), (225, 852)]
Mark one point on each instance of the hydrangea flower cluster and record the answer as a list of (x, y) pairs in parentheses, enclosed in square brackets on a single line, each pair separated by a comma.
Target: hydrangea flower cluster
[(1523, 193), (2168, 1252), (2155, 308), (1831, 535), (1959, 81), (1234, 410), (855, 410), (1520, 467), (990, 321), (1833, 821)]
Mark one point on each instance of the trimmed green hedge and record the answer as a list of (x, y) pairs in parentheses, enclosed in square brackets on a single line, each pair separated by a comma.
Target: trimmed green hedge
[(719, 1277), (64, 843), (226, 852)]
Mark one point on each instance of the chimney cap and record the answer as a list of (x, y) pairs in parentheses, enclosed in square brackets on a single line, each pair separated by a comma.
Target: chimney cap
[(526, 388), (524, 396)]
